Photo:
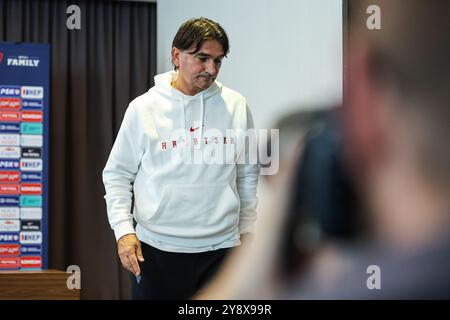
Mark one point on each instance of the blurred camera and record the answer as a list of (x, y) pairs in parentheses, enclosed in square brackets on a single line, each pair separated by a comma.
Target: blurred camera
[(323, 204)]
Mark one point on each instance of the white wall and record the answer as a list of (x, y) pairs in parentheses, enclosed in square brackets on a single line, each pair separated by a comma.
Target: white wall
[(285, 54)]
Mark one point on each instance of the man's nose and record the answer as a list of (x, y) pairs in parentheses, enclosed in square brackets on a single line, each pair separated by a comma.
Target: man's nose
[(211, 67)]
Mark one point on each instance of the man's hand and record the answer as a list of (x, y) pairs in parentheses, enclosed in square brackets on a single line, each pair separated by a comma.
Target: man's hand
[(130, 252)]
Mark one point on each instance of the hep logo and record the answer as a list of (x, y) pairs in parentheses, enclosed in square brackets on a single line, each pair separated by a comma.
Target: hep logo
[(1, 57)]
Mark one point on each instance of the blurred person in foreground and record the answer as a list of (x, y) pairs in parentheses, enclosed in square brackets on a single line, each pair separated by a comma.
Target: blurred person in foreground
[(396, 121)]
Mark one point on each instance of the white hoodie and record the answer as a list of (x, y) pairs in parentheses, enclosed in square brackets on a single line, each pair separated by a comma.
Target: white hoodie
[(181, 206)]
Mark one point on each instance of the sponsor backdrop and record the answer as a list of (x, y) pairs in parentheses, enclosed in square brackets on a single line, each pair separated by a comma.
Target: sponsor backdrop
[(24, 110)]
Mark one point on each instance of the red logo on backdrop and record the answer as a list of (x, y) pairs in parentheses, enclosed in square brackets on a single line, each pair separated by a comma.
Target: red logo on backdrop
[(10, 103), (31, 188), (9, 189), (9, 250), (30, 262), (9, 263), (9, 176), (1, 57), (32, 116), (9, 116)]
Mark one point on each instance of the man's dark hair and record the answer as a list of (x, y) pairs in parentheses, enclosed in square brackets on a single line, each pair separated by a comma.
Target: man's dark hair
[(194, 32)]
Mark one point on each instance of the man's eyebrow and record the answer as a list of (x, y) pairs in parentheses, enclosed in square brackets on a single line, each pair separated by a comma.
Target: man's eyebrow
[(202, 54)]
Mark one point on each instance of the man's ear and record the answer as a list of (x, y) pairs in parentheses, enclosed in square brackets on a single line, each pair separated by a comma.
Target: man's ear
[(363, 113), (176, 57)]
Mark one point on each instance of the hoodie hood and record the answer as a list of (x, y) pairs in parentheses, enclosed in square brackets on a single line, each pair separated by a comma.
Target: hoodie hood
[(163, 86)]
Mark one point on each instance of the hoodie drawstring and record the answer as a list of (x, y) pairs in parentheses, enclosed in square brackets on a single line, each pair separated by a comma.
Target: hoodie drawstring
[(184, 113), (184, 125), (202, 112)]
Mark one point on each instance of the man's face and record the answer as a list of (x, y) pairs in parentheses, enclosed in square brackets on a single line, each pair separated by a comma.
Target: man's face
[(197, 71)]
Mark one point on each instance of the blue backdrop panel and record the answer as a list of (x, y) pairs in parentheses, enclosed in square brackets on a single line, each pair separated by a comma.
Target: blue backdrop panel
[(24, 149)]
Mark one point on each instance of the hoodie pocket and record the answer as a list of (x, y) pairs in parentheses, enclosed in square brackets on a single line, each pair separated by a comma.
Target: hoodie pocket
[(196, 210)]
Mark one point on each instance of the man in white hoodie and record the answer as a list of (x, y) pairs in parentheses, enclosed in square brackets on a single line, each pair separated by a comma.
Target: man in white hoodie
[(184, 151)]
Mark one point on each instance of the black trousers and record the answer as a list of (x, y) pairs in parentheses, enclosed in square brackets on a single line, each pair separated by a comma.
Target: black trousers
[(172, 275)]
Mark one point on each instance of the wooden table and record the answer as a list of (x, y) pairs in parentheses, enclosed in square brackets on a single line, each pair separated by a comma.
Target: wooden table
[(36, 285)]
